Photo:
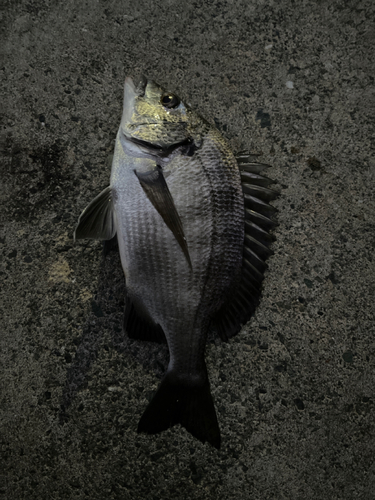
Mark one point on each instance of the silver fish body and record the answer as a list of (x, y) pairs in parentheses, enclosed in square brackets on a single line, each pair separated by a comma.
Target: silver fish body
[(159, 280), (178, 205)]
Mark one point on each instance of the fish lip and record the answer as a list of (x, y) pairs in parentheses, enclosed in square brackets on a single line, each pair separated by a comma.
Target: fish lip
[(137, 86), (141, 85)]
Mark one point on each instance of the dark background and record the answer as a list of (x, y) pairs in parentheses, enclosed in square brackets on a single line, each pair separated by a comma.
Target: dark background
[(294, 391)]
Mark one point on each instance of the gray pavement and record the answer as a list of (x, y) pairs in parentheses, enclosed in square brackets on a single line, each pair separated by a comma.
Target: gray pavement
[(294, 391)]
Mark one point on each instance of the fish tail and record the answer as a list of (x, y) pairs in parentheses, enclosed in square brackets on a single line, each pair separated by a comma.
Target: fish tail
[(190, 405)]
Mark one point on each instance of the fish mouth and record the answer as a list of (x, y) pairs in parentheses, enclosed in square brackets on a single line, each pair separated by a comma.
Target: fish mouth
[(136, 87)]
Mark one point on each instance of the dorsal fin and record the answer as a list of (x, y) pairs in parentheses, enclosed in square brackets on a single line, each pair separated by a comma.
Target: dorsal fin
[(258, 223)]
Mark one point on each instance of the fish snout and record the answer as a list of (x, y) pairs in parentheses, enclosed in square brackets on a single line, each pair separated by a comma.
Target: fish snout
[(135, 86), (140, 86)]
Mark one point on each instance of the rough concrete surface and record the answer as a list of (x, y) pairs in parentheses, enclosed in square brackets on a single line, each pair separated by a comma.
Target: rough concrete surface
[(294, 391)]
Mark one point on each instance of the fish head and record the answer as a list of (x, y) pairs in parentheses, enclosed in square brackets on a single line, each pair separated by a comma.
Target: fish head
[(154, 116)]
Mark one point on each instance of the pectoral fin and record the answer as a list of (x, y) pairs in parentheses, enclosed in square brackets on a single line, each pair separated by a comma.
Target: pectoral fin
[(97, 221), (157, 191)]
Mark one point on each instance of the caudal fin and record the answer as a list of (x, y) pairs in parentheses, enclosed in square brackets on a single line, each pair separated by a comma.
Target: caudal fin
[(176, 403)]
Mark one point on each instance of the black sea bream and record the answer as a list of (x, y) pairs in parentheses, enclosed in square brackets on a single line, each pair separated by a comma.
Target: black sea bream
[(192, 224)]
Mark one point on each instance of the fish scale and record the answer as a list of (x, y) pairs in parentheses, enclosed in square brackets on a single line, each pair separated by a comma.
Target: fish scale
[(166, 284), (177, 201)]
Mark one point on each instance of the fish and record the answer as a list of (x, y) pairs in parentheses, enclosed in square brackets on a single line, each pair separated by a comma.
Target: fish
[(194, 228)]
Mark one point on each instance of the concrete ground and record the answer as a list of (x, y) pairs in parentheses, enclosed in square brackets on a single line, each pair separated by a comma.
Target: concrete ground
[(294, 391)]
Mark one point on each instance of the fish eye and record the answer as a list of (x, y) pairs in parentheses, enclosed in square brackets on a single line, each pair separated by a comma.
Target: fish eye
[(170, 101)]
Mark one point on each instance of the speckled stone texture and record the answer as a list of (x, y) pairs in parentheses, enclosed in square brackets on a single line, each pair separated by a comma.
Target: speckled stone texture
[(294, 391)]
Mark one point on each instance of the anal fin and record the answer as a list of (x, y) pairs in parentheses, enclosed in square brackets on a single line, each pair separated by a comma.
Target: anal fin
[(139, 326)]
